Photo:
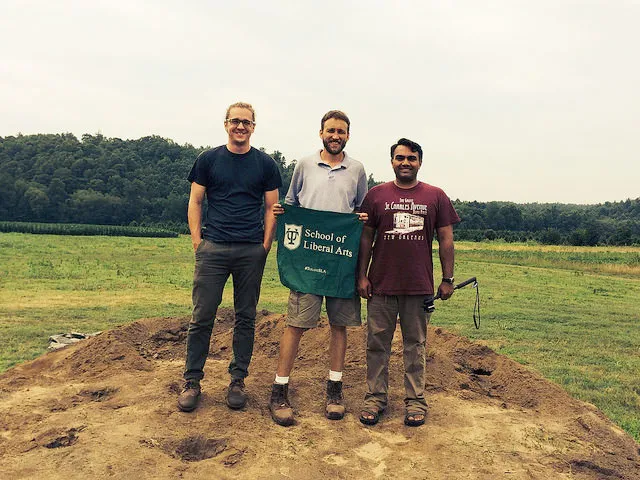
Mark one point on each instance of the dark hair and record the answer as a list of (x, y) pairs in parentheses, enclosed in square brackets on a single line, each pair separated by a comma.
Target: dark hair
[(338, 115), (413, 146)]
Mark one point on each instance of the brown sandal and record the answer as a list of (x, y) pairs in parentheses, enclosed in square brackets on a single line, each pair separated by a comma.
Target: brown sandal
[(375, 414), (414, 419)]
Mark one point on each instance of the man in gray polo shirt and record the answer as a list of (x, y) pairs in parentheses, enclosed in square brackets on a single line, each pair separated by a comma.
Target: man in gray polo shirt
[(329, 180)]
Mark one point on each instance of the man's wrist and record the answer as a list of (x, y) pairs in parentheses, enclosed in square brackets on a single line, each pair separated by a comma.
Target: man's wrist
[(448, 280)]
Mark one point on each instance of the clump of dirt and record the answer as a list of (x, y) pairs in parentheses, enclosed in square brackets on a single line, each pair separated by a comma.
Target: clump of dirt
[(65, 440), (489, 417), (98, 395), (57, 438)]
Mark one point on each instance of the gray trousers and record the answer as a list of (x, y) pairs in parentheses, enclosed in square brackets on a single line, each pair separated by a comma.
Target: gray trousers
[(382, 315), (214, 263)]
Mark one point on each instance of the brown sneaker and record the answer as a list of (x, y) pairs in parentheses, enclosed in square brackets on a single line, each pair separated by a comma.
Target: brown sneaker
[(279, 405), (188, 399), (236, 397), (335, 403)]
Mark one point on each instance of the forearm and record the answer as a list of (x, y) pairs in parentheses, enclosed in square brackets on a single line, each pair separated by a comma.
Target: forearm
[(446, 252), (269, 226), (194, 213), (194, 216), (364, 253), (270, 201)]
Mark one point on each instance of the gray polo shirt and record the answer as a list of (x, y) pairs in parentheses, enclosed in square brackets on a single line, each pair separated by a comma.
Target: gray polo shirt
[(316, 185)]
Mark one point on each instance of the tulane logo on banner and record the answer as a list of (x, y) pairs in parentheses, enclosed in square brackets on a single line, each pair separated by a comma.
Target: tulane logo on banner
[(292, 235), (320, 251)]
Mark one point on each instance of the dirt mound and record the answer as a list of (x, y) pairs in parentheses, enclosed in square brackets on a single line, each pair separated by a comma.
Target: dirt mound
[(106, 407)]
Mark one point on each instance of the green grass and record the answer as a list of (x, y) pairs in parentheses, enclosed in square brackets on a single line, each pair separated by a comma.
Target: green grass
[(571, 313), (581, 330)]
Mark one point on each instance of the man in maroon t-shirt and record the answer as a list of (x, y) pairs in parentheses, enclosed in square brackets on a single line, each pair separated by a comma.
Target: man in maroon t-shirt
[(403, 216)]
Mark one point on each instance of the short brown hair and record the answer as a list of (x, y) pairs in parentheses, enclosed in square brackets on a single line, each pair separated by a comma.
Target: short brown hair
[(338, 115), (241, 105)]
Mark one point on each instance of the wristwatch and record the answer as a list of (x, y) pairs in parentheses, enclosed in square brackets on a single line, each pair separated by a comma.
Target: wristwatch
[(447, 280)]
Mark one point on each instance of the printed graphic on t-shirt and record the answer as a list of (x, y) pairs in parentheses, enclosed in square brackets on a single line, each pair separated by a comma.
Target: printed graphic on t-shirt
[(406, 224)]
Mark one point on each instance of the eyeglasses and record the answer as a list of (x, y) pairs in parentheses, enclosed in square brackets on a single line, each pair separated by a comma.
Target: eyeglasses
[(237, 121)]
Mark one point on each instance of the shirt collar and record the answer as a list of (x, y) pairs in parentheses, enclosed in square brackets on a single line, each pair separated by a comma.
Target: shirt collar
[(346, 161)]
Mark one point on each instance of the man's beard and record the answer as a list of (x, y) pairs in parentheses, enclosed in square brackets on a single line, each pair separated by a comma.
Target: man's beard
[(331, 148)]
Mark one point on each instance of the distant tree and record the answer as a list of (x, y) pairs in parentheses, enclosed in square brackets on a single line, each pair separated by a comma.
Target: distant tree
[(38, 202), (490, 234), (493, 216), (88, 206), (286, 171), (551, 236), (371, 182), (512, 216)]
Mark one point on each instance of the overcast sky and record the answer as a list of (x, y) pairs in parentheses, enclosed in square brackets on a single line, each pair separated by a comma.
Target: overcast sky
[(523, 101)]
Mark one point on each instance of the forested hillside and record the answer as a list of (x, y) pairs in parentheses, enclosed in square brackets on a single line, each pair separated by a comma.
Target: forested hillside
[(610, 223), (60, 178)]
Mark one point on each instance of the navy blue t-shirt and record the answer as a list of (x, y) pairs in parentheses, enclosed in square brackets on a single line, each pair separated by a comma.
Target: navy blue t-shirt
[(235, 191)]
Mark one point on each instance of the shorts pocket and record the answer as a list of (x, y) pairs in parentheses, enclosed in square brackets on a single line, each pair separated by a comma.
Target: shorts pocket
[(294, 302)]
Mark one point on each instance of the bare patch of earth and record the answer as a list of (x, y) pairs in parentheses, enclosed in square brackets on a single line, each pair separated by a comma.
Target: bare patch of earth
[(106, 407)]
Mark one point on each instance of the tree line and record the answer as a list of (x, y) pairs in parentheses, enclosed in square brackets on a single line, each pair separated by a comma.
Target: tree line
[(58, 178), (609, 223)]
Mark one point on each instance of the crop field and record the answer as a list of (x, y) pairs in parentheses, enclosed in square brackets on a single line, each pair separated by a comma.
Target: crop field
[(570, 313), (82, 229)]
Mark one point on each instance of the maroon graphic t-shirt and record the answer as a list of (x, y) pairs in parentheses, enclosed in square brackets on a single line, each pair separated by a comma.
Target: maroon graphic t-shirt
[(404, 221)]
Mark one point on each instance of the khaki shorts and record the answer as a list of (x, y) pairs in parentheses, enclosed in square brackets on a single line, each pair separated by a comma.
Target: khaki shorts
[(304, 310)]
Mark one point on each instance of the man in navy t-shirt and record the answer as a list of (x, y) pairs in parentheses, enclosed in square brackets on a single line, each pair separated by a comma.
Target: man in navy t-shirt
[(235, 241)]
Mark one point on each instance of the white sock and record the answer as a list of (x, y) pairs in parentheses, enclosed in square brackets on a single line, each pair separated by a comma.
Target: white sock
[(281, 380), (335, 376)]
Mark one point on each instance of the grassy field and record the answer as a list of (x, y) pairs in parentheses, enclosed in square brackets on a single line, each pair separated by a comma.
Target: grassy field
[(571, 313)]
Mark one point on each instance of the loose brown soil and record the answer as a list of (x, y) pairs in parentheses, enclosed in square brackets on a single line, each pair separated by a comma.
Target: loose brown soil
[(106, 408)]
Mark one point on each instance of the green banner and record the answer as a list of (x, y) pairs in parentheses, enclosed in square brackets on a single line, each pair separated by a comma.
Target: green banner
[(318, 251)]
